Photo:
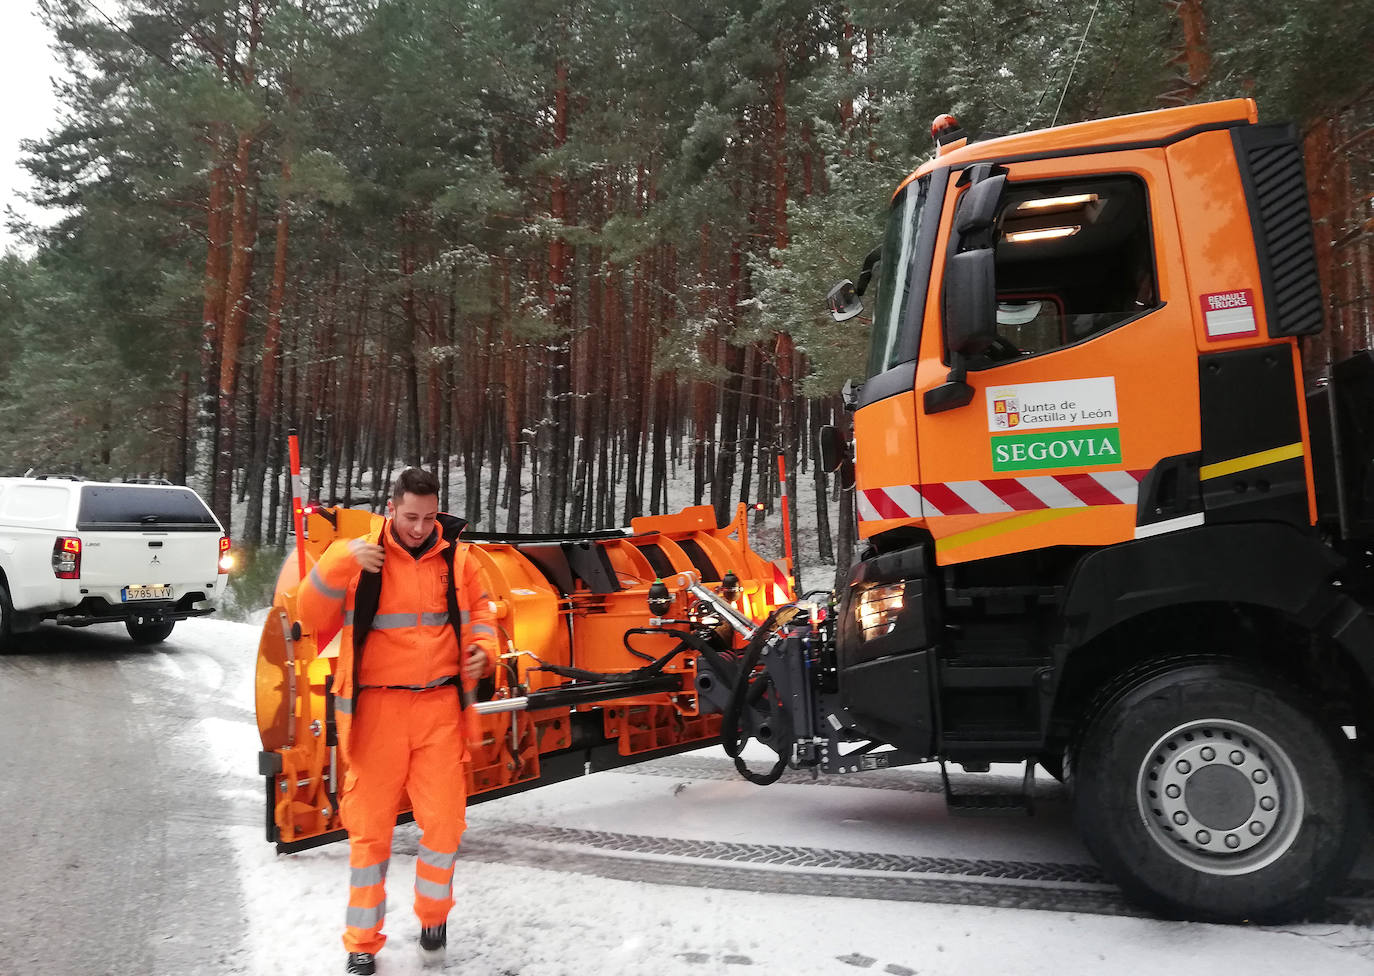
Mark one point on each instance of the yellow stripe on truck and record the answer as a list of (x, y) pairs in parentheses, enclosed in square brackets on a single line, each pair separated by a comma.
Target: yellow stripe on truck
[(1271, 456), (997, 528)]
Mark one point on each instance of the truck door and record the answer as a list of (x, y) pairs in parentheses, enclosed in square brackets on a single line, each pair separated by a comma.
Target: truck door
[(1091, 380)]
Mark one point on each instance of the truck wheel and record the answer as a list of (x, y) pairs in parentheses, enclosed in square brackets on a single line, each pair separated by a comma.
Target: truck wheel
[(149, 632), (1208, 792)]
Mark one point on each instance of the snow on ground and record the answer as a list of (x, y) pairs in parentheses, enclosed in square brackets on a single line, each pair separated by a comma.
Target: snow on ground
[(523, 920)]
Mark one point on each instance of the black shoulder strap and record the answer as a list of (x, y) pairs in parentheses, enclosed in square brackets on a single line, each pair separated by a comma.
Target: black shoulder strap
[(450, 526), (365, 600), (455, 617)]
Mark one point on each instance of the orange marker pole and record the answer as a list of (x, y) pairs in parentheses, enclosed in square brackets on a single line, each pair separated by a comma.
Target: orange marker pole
[(297, 506), (787, 525)]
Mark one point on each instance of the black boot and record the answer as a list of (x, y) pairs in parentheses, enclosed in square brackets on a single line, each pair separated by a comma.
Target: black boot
[(361, 964), (433, 940)]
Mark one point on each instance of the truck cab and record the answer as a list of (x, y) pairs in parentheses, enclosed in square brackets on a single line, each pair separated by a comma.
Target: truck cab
[(1087, 479)]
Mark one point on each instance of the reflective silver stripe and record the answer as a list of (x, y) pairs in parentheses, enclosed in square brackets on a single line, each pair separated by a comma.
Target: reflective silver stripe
[(365, 918), (433, 889), (348, 618), (343, 706), (434, 859), (373, 874), (434, 619), (483, 629), (445, 680), (464, 617), (394, 621), (317, 581)]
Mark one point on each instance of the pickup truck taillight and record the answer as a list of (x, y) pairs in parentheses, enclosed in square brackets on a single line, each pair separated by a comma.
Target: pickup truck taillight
[(66, 557), (226, 558)]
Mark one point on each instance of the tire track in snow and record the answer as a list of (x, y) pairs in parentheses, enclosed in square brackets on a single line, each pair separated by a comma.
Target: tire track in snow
[(827, 872)]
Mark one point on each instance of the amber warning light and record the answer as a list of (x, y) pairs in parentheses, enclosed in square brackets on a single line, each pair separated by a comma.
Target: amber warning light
[(226, 558)]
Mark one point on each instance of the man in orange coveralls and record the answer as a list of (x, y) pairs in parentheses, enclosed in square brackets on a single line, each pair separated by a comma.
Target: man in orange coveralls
[(409, 600)]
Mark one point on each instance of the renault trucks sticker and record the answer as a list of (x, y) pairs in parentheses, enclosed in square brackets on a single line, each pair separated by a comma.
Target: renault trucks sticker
[(1030, 420), (1063, 403), (1230, 314)]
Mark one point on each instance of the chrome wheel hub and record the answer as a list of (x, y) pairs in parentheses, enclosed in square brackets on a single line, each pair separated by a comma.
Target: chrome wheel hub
[(1220, 796)]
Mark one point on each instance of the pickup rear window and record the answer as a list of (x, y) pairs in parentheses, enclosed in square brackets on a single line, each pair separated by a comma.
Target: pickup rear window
[(133, 508)]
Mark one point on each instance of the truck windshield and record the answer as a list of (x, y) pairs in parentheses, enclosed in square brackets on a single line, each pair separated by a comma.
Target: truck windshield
[(894, 277)]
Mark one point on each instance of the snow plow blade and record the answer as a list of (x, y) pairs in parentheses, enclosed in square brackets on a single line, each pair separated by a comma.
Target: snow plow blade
[(588, 679)]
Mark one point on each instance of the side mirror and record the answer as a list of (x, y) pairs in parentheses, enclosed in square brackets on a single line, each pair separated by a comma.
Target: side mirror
[(831, 448), (843, 301), (970, 301)]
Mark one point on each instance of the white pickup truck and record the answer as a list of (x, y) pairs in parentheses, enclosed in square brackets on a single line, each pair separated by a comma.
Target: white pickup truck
[(87, 552)]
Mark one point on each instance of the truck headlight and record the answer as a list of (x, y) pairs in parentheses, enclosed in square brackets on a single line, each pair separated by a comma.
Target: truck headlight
[(878, 609)]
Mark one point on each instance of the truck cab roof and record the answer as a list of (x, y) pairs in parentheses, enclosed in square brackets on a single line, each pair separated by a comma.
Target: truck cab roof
[(1100, 135)]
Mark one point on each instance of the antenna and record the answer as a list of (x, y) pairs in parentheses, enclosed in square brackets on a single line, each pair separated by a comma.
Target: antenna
[(1081, 41)]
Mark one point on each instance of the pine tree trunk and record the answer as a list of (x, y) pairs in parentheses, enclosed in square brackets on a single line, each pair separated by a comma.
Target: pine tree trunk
[(726, 459), (661, 422), (514, 440), (1192, 58), (243, 235), (638, 385), (202, 465), (825, 549), (749, 440), (271, 363), (179, 467), (414, 449)]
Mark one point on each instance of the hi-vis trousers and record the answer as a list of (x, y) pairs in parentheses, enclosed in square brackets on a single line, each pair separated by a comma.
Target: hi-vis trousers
[(401, 741)]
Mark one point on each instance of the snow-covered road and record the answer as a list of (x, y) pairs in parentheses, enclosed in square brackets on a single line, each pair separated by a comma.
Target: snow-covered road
[(674, 867)]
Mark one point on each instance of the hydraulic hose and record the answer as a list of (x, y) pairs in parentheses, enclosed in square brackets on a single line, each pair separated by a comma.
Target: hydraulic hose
[(686, 640), (749, 691)]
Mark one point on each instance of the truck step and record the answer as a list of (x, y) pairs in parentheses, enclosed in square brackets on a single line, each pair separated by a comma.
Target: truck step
[(1006, 803)]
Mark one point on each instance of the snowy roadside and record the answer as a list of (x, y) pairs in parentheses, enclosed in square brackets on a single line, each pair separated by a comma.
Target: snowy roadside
[(562, 918)]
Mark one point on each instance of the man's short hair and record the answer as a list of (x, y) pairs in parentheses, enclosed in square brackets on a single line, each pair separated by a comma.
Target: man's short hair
[(416, 481)]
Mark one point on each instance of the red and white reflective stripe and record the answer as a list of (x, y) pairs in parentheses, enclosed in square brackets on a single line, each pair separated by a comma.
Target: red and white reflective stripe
[(781, 584), (1081, 489)]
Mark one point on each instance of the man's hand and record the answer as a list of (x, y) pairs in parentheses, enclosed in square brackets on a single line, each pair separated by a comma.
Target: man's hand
[(474, 664), (368, 555)]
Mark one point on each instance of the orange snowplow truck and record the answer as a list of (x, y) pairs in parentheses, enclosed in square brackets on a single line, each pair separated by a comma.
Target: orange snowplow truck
[(1107, 530), (1106, 533)]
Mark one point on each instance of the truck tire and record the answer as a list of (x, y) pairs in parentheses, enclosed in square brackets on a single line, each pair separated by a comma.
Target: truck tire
[(6, 620), (1209, 792), (150, 631)]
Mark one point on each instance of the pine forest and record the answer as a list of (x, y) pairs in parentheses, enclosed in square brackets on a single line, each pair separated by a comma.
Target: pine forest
[(564, 254)]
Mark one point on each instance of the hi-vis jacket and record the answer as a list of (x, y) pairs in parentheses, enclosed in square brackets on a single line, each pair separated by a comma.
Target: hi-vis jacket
[(404, 627)]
